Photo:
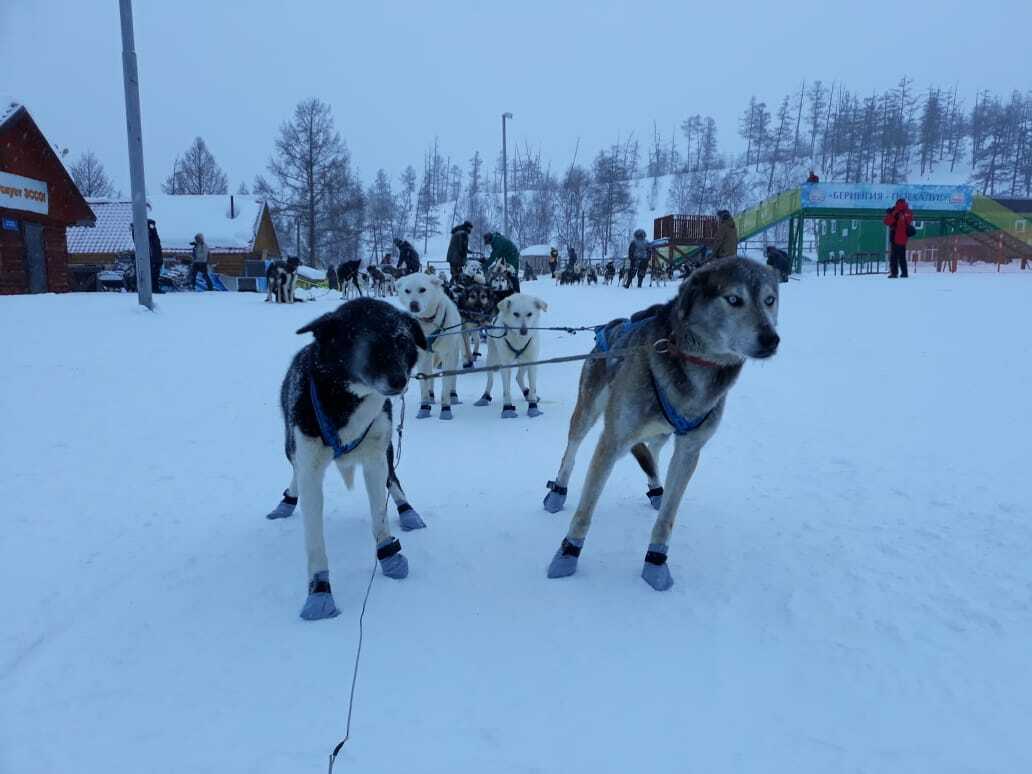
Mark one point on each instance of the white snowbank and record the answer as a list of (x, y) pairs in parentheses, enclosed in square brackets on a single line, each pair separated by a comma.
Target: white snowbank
[(851, 561)]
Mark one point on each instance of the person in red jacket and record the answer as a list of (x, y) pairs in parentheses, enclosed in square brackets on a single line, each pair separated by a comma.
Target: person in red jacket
[(900, 220)]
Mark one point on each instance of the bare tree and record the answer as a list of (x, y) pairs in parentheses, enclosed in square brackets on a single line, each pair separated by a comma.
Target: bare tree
[(196, 172), (304, 164), (380, 214), (89, 176)]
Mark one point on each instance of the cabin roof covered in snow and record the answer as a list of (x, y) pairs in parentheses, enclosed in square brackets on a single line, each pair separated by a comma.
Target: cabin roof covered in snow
[(536, 250), (8, 107), (179, 219)]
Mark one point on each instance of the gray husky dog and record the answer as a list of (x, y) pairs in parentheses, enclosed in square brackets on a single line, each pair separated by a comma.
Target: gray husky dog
[(680, 360), (336, 408)]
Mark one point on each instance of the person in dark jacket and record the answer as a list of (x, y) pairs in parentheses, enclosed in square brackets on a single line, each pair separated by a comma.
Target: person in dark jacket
[(725, 244), (408, 258), (900, 220), (779, 261), (458, 248), (812, 178), (503, 249), (154, 242), (553, 261), (637, 258), (571, 259)]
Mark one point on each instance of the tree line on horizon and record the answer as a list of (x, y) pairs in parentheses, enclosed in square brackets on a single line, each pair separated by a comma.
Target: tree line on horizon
[(325, 213)]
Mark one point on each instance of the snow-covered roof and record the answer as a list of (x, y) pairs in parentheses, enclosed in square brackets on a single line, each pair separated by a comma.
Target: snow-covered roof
[(8, 107), (535, 250), (179, 219)]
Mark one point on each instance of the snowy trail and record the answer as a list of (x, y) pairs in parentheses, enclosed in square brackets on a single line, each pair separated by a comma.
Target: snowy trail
[(853, 586)]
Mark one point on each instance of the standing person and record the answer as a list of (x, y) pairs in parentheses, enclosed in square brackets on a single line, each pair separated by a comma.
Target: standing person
[(553, 261), (725, 244), (503, 249), (813, 177), (571, 259), (900, 220), (637, 258), (154, 241), (408, 258), (199, 262), (458, 248), (386, 260)]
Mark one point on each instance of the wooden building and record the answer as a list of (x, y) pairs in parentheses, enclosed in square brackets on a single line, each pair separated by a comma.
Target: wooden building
[(38, 201), (236, 228)]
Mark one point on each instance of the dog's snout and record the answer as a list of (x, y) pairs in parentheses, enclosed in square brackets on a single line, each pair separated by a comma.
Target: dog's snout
[(768, 340), (413, 306), (523, 330), (397, 382)]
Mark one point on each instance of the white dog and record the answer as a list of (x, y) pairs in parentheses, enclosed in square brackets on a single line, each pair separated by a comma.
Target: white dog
[(518, 314), (423, 295)]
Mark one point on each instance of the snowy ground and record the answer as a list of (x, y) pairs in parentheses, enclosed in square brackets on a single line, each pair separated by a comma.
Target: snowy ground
[(853, 574)]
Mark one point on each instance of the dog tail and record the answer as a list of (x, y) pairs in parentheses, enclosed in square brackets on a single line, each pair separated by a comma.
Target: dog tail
[(349, 478)]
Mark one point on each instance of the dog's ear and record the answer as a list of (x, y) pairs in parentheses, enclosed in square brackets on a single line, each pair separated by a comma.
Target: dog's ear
[(435, 279), (417, 333), (319, 325), (507, 304), (540, 304)]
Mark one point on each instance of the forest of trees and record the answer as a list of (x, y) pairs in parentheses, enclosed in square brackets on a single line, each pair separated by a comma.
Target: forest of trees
[(894, 136)]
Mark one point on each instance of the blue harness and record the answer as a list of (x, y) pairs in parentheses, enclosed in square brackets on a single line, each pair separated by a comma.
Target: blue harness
[(330, 435), (682, 425)]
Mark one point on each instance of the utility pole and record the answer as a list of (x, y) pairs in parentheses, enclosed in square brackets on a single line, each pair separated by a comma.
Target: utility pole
[(505, 176), (134, 131)]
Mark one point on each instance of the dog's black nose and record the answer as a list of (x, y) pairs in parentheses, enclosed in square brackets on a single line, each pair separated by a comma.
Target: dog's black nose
[(769, 339), (413, 306), (397, 383)]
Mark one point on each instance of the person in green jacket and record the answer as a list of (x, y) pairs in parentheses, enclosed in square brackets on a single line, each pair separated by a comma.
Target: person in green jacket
[(503, 248)]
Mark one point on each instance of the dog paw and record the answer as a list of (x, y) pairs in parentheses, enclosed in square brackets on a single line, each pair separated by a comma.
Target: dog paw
[(485, 400), (655, 571), (467, 365), (509, 411), (319, 603), (392, 562), (424, 411), (534, 411), (556, 497), (446, 412), (282, 511), (564, 563), (655, 496), (409, 518), (455, 399)]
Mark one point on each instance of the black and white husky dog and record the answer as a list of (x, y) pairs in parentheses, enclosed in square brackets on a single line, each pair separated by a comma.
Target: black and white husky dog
[(336, 408), (281, 276)]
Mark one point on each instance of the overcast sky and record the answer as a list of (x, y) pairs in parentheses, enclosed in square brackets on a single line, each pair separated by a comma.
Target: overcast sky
[(398, 74)]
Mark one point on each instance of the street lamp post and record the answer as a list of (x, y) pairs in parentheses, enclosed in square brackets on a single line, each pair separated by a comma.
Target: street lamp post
[(134, 130), (505, 176)]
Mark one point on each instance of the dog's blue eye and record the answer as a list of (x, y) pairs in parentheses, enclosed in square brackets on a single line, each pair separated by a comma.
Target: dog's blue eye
[(769, 300), (733, 300)]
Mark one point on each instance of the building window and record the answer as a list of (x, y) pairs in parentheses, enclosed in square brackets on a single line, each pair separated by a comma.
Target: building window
[(1019, 225), (834, 226), (824, 227), (854, 224), (918, 225)]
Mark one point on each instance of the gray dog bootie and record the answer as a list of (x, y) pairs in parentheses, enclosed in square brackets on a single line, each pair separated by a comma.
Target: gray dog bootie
[(655, 496), (285, 509), (655, 571), (320, 599), (556, 497), (410, 520), (392, 561), (564, 562)]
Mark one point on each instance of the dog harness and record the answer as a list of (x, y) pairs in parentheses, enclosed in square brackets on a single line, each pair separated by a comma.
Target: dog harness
[(517, 352), (682, 425), (329, 435), (430, 339)]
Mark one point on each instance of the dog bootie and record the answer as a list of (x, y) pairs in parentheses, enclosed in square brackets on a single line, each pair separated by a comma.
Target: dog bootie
[(556, 497), (285, 509), (392, 561), (424, 411), (485, 400), (655, 571), (410, 520), (509, 411), (533, 410), (655, 496), (564, 563), (446, 412), (319, 604), (455, 399), (468, 364)]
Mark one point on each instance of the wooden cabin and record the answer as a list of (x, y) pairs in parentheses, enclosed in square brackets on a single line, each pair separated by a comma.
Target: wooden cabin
[(38, 202)]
